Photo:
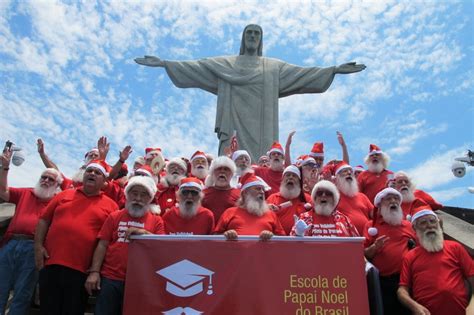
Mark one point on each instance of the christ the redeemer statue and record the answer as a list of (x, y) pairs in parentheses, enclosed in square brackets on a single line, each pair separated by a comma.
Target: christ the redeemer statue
[(248, 87)]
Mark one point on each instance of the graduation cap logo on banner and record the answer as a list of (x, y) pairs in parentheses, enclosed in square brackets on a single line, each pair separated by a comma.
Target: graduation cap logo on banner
[(182, 310), (185, 278)]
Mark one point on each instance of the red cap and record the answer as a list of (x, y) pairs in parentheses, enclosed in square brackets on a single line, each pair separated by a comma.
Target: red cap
[(317, 150), (101, 165), (276, 147)]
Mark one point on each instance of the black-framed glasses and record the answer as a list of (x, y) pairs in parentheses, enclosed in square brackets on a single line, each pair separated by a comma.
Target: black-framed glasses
[(51, 179), (320, 193), (186, 192)]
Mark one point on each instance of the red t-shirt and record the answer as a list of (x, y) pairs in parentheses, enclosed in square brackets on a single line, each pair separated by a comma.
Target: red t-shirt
[(218, 200), (334, 225), (357, 208), (201, 224), (285, 215), (76, 219), (114, 191), (370, 183), (436, 280), (166, 198), (410, 208), (27, 212), (113, 231), (271, 177), (388, 259), (244, 223), (420, 194)]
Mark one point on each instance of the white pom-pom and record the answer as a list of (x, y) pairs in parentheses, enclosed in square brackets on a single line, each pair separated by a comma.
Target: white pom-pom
[(409, 217), (307, 206), (373, 231)]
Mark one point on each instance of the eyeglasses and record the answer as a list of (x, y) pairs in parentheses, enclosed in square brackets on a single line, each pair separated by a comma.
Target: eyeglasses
[(51, 179), (193, 193), (320, 193)]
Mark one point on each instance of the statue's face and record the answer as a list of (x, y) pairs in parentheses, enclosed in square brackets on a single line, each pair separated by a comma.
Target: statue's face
[(252, 37)]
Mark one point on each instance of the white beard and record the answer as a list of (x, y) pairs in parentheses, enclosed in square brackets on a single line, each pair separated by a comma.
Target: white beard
[(45, 193), (324, 209), (348, 188), (188, 210), (256, 206), (290, 193), (276, 165), (79, 176), (431, 242), (407, 195), (136, 210), (376, 168), (391, 217), (173, 179), (200, 173)]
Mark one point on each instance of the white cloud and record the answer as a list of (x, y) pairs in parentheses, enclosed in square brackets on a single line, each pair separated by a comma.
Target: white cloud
[(447, 195)]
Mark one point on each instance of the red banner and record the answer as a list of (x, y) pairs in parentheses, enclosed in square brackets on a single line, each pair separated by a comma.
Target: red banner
[(208, 275)]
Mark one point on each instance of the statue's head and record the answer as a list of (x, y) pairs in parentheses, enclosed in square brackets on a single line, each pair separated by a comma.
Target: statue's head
[(252, 39)]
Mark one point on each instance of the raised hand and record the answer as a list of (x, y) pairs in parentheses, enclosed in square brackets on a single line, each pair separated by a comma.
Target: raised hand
[(349, 67), (150, 61), (103, 147), (125, 153)]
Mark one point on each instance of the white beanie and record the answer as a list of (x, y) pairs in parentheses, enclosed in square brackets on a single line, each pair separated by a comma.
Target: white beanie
[(179, 161), (146, 182), (222, 161), (292, 169), (384, 193), (326, 185), (238, 153)]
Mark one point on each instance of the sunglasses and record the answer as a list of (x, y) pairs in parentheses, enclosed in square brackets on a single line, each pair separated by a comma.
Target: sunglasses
[(51, 179), (320, 193), (193, 193)]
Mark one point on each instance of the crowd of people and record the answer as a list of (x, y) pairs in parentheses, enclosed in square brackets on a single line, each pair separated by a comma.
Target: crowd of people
[(71, 235)]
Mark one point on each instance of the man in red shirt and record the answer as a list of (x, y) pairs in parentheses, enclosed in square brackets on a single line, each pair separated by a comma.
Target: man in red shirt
[(189, 217), (272, 175), (219, 195), (65, 238), (375, 178), (324, 220), (410, 203), (175, 171), (17, 262), (353, 203), (290, 200), (109, 263), (433, 274), (251, 216), (388, 237)]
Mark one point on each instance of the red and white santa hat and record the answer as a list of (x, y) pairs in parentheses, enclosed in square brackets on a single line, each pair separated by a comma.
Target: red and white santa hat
[(238, 153), (250, 180), (276, 147), (177, 161), (384, 193), (198, 154), (292, 169), (305, 160), (326, 185), (222, 161), (93, 150), (144, 181), (100, 165), (144, 170), (423, 213), (317, 150), (341, 166), (190, 182), (150, 151), (373, 149), (358, 168)]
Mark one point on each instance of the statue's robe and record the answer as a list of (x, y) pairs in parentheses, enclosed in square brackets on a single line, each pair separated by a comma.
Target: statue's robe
[(247, 89)]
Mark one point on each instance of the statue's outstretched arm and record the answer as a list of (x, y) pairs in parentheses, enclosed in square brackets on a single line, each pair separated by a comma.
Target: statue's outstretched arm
[(150, 61), (349, 67)]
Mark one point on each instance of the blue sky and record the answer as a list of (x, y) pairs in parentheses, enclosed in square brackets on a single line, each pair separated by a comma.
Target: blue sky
[(67, 76)]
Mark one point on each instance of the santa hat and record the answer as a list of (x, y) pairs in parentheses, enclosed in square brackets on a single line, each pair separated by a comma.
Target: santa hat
[(100, 165), (384, 193), (178, 161), (276, 147), (305, 160), (292, 169), (222, 161), (326, 185), (150, 151), (198, 154), (359, 168), (144, 181), (238, 153), (190, 182), (93, 150), (317, 150), (250, 179), (144, 170), (373, 149), (341, 167), (422, 213)]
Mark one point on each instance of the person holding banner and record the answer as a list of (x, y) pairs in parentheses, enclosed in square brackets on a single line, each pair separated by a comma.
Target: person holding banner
[(189, 217), (252, 215), (109, 263), (324, 220)]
